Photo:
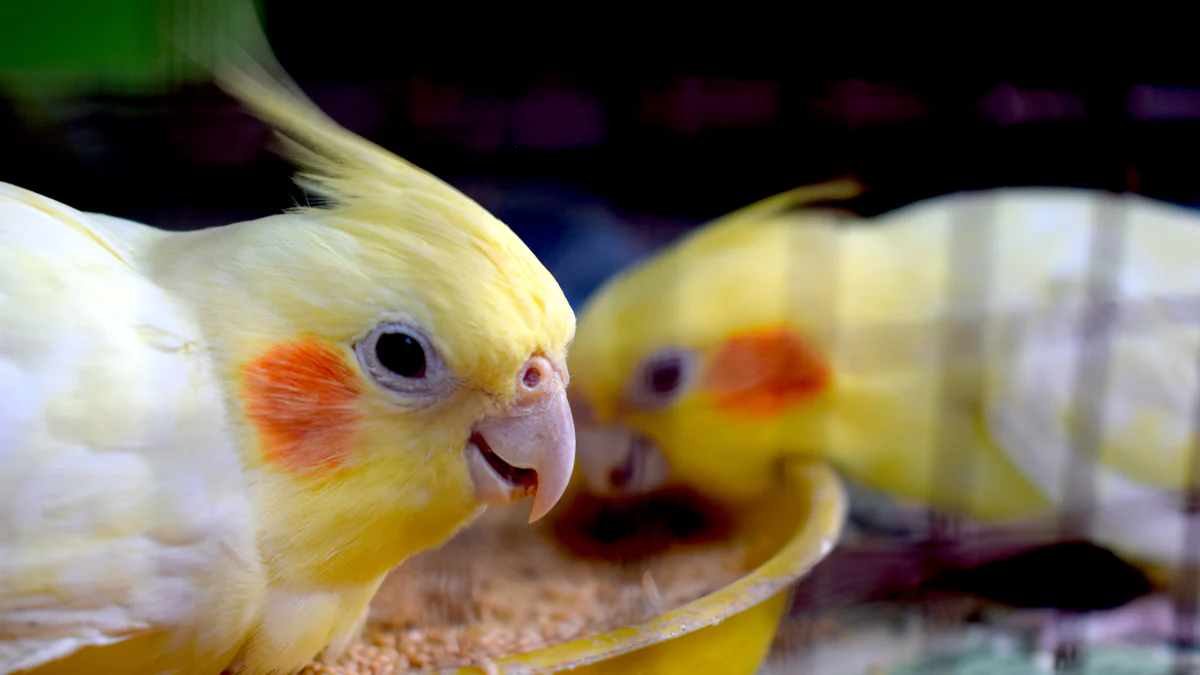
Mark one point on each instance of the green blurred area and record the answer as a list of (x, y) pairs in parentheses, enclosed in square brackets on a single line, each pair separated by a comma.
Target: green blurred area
[(51, 48)]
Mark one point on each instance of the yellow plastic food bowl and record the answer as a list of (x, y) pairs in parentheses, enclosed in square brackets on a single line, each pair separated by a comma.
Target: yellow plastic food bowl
[(730, 630)]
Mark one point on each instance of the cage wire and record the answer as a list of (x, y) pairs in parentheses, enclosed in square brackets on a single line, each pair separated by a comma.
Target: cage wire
[(971, 272)]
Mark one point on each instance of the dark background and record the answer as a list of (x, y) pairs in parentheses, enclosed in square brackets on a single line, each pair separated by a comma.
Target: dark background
[(599, 135)]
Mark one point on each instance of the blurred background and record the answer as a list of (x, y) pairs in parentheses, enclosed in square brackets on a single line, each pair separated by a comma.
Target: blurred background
[(599, 137)]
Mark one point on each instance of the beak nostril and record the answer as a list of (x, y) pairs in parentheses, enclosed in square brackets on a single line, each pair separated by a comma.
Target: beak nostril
[(532, 377)]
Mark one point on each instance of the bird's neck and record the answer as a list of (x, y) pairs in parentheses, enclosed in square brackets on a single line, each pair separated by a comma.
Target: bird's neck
[(351, 527)]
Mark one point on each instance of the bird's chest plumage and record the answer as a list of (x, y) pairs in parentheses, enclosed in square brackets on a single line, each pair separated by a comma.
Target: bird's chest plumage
[(295, 625)]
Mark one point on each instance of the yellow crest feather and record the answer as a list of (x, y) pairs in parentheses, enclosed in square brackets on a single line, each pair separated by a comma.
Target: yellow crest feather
[(837, 189), (340, 167), (335, 163)]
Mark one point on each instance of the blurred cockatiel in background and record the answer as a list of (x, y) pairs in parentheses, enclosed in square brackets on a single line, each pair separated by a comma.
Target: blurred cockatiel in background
[(923, 353), (214, 445)]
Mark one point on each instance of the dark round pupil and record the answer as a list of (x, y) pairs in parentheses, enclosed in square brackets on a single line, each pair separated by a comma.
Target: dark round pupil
[(401, 354), (664, 377)]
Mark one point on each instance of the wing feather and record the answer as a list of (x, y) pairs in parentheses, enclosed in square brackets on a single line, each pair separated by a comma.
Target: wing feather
[(1143, 372), (120, 488)]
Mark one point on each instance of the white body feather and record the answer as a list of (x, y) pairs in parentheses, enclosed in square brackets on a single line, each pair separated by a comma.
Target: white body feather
[(1034, 274), (123, 509)]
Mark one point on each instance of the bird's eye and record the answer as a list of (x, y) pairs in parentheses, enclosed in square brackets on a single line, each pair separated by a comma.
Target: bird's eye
[(661, 378), (401, 354), (400, 358)]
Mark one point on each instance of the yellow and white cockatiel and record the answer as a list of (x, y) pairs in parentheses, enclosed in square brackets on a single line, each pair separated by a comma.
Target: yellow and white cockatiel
[(937, 353), (215, 444)]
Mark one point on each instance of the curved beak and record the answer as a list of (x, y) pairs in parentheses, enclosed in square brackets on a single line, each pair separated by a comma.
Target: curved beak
[(614, 459), (529, 448)]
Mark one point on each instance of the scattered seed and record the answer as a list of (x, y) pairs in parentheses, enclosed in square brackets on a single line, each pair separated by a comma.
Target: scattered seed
[(500, 588)]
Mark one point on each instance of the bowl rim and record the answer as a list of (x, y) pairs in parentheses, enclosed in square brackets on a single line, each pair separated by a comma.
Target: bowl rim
[(821, 503)]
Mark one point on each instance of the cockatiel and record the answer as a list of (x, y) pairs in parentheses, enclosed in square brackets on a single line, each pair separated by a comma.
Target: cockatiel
[(941, 353), (215, 444)]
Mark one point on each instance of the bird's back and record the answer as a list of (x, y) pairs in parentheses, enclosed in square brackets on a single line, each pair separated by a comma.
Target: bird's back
[(122, 509)]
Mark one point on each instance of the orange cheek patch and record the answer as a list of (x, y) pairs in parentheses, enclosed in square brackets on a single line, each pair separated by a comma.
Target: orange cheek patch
[(760, 374), (302, 399)]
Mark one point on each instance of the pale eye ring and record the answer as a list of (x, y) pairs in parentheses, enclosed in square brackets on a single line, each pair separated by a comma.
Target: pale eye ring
[(400, 358), (661, 378)]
